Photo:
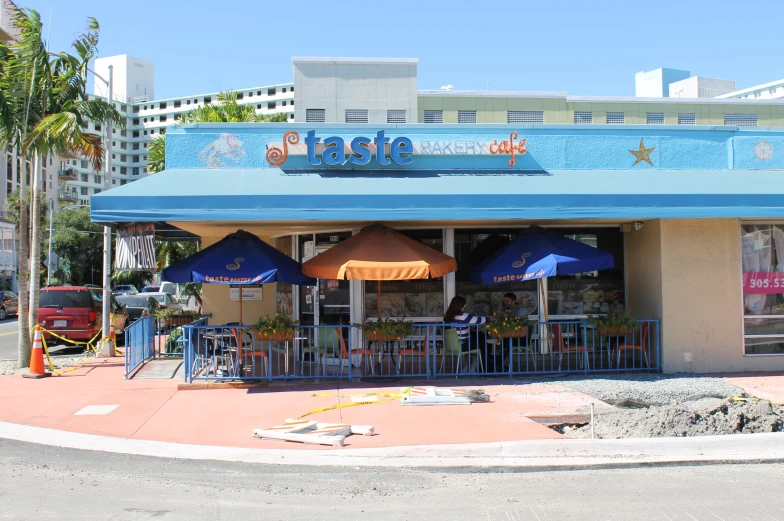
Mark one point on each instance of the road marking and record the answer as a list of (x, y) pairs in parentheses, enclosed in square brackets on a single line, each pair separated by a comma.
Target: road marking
[(11, 333)]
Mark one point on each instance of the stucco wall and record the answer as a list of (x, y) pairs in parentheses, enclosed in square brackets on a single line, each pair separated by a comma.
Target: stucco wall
[(644, 270), (216, 298), (701, 293)]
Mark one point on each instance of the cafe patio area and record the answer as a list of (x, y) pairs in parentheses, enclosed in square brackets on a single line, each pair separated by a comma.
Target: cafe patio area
[(238, 353)]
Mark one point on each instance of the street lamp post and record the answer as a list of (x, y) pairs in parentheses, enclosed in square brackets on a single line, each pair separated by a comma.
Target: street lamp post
[(107, 344)]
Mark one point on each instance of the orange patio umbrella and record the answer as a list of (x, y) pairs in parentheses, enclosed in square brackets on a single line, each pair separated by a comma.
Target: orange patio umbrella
[(379, 253)]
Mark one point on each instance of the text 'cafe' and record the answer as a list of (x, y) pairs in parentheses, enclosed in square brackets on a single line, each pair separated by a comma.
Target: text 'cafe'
[(694, 218)]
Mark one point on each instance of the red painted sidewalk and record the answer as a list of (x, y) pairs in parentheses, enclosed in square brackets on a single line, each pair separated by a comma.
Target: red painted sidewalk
[(156, 410)]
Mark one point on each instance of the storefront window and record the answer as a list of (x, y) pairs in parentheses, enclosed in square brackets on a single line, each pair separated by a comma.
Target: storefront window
[(762, 248), (567, 295), (414, 299)]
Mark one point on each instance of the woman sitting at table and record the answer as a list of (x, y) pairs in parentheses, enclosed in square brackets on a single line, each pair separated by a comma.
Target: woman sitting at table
[(470, 338)]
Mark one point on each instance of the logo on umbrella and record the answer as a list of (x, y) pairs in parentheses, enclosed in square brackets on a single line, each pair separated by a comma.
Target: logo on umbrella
[(236, 264), (521, 263)]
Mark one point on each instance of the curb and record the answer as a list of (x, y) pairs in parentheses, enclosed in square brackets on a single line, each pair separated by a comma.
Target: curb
[(521, 456)]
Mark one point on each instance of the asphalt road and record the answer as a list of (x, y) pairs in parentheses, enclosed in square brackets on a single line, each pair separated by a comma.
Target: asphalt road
[(9, 338), (44, 483), (9, 342)]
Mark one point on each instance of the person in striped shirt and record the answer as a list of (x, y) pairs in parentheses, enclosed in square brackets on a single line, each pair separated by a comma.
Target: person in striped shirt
[(470, 337)]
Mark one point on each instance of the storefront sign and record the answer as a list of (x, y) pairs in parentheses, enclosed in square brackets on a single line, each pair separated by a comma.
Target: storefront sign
[(509, 147), (249, 291), (335, 151), (136, 248), (756, 283)]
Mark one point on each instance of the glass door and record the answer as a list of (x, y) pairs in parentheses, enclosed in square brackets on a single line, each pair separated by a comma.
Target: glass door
[(329, 302)]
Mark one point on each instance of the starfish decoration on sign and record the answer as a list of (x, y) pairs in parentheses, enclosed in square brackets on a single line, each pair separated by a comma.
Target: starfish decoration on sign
[(643, 154)]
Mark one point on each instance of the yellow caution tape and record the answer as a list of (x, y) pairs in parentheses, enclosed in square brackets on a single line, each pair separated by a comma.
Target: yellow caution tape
[(90, 347), (753, 399), (391, 396)]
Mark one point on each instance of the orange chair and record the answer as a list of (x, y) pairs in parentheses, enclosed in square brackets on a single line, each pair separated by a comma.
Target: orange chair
[(558, 345), (642, 347), (246, 350), (345, 354), (406, 351)]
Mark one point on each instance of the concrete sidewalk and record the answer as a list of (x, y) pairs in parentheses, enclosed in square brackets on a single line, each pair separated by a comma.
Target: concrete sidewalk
[(522, 455)]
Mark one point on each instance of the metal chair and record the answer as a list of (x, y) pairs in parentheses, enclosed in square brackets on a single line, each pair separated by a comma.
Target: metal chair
[(453, 346), (366, 355), (558, 344), (642, 347)]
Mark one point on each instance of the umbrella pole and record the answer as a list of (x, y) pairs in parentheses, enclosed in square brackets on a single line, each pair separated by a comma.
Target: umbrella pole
[(378, 298), (240, 304)]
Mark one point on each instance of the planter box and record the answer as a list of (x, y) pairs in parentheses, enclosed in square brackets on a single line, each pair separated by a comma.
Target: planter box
[(177, 321), (282, 336), (511, 334), (613, 331), (381, 337)]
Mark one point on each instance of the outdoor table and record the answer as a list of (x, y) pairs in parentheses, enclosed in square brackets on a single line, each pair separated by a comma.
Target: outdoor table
[(219, 341)]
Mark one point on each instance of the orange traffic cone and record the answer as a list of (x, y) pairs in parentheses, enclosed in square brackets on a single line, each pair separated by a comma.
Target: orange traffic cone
[(37, 367)]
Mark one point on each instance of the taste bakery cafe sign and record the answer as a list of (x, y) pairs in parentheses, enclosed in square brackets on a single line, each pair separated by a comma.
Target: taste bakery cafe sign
[(384, 151)]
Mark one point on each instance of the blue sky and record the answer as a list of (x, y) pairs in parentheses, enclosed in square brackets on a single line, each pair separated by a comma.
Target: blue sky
[(578, 46)]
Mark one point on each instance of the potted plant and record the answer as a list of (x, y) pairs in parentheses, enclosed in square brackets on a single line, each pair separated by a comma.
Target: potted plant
[(279, 328), (614, 324), (175, 318), (507, 326), (386, 329)]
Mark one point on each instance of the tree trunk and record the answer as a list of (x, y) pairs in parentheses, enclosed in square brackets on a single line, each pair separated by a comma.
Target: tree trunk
[(35, 241), (25, 345)]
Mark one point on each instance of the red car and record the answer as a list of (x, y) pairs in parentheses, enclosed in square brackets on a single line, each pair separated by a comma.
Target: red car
[(75, 312)]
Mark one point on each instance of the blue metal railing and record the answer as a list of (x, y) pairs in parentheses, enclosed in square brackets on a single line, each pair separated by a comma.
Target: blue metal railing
[(139, 343), (233, 352), (169, 338)]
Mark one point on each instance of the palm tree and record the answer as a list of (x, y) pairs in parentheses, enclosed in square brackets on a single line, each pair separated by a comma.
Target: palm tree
[(226, 110), (50, 119)]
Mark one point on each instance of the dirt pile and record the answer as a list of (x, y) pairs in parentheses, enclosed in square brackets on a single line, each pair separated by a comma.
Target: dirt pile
[(707, 416)]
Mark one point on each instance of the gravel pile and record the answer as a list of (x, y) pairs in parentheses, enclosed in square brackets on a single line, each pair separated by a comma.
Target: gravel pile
[(708, 416), (651, 389), (8, 367)]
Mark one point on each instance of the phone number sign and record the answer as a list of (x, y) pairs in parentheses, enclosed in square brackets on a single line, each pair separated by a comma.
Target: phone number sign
[(755, 283)]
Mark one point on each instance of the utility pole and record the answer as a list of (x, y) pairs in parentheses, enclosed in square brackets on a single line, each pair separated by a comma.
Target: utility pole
[(107, 344)]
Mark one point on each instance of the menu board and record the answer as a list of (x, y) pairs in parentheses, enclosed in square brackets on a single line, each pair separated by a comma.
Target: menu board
[(585, 297), (405, 299), (564, 297)]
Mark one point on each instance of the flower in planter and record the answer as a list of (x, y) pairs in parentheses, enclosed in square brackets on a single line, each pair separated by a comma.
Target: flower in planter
[(622, 321), (271, 326), (387, 328), (507, 325)]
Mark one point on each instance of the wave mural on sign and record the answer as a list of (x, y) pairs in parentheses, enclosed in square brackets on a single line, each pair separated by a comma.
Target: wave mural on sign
[(226, 147)]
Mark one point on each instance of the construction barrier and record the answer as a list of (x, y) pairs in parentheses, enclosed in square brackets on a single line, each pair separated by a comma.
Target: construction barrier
[(90, 345)]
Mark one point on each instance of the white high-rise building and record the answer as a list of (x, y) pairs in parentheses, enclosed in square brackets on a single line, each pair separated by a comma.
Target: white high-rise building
[(145, 117), (772, 90), (133, 80)]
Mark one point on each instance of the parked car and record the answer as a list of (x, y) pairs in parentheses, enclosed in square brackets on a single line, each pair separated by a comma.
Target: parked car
[(165, 301), (74, 312), (9, 305), (138, 306), (125, 289), (151, 289)]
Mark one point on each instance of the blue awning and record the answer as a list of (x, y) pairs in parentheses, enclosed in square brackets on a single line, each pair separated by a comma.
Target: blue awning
[(210, 195)]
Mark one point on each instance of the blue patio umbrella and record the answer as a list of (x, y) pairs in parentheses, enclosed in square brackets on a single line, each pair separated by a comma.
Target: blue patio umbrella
[(538, 253), (239, 258)]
